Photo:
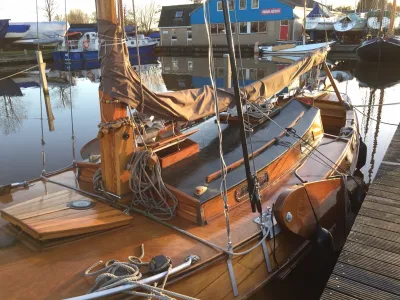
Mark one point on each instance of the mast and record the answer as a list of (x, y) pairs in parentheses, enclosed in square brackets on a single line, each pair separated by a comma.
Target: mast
[(381, 15), (392, 17), (116, 146), (251, 182), (304, 23)]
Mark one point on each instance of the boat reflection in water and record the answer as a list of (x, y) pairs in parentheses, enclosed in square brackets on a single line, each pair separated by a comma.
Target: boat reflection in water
[(181, 73), (377, 75)]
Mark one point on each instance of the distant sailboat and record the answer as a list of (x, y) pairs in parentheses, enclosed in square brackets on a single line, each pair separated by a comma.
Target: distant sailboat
[(50, 33), (350, 23), (382, 48), (320, 18)]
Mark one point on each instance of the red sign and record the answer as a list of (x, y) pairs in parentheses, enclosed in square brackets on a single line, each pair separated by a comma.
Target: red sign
[(271, 11)]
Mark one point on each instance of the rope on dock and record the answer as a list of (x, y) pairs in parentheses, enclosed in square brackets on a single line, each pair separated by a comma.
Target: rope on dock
[(19, 72)]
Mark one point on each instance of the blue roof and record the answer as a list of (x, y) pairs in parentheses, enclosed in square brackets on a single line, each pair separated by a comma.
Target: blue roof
[(320, 10)]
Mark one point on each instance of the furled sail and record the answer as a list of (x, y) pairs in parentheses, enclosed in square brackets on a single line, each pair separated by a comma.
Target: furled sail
[(120, 81)]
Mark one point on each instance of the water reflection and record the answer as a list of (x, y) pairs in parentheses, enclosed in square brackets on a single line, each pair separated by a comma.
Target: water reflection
[(20, 108)]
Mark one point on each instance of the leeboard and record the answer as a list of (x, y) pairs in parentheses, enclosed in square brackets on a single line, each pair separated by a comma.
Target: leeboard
[(49, 217)]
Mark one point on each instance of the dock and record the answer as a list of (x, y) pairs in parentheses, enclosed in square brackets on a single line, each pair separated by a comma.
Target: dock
[(8, 58), (369, 264)]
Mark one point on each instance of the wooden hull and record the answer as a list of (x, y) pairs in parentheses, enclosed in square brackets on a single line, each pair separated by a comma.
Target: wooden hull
[(378, 49), (207, 279)]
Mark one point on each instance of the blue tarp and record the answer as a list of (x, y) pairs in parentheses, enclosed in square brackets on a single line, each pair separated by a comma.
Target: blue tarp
[(154, 35), (3, 28), (18, 28), (320, 10)]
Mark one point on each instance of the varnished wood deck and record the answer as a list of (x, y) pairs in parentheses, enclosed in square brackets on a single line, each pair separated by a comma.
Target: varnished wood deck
[(369, 265)]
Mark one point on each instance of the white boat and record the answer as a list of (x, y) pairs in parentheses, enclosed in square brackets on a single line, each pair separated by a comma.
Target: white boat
[(297, 50), (350, 23), (16, 32), (50, 33), (320, 18)]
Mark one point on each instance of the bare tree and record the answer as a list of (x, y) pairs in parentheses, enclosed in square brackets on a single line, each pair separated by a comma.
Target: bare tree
[(146, 16), (78, 16), (12, 113), (50, 7)]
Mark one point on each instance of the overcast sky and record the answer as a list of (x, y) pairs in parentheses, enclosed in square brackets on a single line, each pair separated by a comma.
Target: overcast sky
[(25, 10)]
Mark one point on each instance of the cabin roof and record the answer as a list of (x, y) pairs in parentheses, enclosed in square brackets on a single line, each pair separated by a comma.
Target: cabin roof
[(176, 15)]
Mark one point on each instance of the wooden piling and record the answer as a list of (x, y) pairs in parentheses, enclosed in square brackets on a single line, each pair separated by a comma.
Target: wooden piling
[(43, 80)]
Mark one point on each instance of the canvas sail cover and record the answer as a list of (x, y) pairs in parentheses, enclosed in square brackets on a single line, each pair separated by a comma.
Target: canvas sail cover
[(120, 81), (320, 10), (3, 28)]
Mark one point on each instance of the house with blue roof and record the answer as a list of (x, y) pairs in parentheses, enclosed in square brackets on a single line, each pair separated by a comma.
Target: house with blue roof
[(253, 21)]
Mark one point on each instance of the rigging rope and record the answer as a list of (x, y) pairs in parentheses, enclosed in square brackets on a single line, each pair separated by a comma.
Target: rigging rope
[(148, 187), (73, 137), (223, 186), (12, 75), (41, 104)]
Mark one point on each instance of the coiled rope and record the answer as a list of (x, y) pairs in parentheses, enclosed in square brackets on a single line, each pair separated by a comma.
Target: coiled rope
[(148, 186)]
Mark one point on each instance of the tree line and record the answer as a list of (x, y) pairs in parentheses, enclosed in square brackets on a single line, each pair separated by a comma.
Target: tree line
[(146, 15)]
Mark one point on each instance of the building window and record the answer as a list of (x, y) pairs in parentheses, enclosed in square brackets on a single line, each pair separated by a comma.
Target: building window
[(285, 22), (254, 27), (262, 26), (243, 27), (255, 4), (190, 65), (221, 29), (243, 4), (175, 63), (189, 37), (174, 40), (179, 14), (233, 27), (214, 28), (231, 5)]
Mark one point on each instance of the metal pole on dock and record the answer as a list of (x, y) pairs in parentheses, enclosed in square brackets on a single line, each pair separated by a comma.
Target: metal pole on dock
[(227, 72), (43, 80)]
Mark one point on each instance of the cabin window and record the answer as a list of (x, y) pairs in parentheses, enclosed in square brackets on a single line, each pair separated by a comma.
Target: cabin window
[(242, 4), (179, 14), (255, 4), (243, 27), (231, 5)]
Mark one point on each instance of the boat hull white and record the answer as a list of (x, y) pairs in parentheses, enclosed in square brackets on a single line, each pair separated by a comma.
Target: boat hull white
[(320, 24), (350, 26), (373, 23), (15, 35), (298, 50)]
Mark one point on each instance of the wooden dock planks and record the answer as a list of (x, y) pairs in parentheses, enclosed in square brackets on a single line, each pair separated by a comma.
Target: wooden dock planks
[(49, 217), (369, 264)]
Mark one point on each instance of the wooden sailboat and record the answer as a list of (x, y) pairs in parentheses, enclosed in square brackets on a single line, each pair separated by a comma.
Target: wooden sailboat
[(383, 48), (208, 244)]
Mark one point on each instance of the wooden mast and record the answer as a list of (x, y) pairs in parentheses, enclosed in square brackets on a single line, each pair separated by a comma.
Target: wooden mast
[(392, 17), (116, 146)]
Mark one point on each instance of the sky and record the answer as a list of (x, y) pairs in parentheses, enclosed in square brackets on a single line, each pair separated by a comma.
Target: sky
[(25, 10)]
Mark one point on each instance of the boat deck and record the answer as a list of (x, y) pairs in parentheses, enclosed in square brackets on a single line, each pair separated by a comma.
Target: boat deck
[(369, 265)]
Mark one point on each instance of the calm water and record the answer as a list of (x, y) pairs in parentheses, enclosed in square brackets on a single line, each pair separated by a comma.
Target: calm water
[(21, 127)]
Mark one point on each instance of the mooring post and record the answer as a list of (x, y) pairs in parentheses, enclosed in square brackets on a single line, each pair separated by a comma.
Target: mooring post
[(43, 80), (227, 72)]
